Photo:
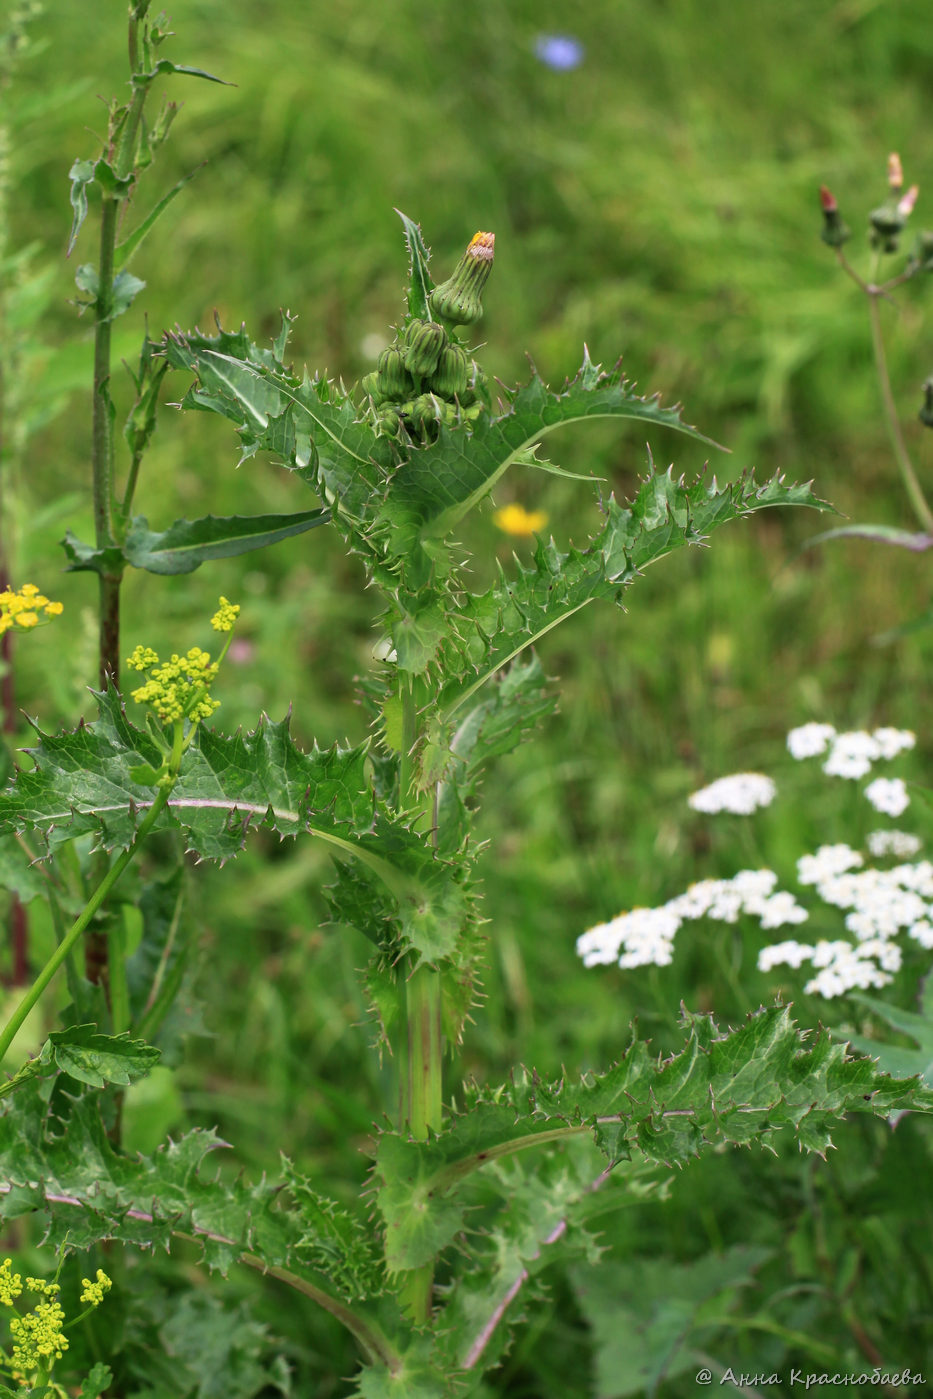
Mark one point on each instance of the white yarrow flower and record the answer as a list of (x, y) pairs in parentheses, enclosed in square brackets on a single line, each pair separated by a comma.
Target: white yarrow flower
[(899, 843), (829, 860), (893, 741), (852, 754), (809, 740), (888, 794), (741, 794)]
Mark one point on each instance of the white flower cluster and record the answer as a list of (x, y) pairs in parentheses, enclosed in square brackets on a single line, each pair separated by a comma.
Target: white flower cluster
[(879, 904), (742, 793), (851, 754), (646, 935)]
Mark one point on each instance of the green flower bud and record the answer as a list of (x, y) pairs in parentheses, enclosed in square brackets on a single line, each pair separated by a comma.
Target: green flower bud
[(394, 379), (926, 412), (834, 231), (458, 299), (922, 256), (452, 375), (370, 385), (424, 341), (422, 410), (886, 222)]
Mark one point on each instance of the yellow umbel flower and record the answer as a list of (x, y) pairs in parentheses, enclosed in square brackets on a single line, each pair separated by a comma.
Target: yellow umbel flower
[(25, 609), (38, 1338), (11, 1284), (94, 1291), (225, 616), (515, 519)]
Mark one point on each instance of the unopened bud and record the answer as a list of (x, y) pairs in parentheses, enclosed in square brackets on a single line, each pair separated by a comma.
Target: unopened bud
[(395, 382), (926, 412), (921, 258), (886, 223), (834, 231), (905, 205), (895, 172), (458, 299), (452, 374), (424, 341)]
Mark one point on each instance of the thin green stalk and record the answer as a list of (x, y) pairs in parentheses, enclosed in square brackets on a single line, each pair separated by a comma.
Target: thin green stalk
[(901, 455), (80, 925)]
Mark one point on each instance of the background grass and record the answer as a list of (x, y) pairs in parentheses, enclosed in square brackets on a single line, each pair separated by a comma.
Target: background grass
[(658, 202)]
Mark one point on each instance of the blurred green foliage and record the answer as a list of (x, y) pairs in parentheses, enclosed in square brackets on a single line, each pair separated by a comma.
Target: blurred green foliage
[(660, 200)]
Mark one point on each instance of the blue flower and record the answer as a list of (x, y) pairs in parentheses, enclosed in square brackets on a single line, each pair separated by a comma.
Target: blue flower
[(559, 51)]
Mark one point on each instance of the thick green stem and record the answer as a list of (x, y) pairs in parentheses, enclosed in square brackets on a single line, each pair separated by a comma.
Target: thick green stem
[(901, 455), (419, 1043), (80, 925)]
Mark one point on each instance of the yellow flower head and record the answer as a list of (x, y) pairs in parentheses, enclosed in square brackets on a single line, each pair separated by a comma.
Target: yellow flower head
[(515, 519), (25, 609)]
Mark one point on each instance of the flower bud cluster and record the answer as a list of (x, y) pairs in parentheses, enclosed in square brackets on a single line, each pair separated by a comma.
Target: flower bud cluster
[(426, 377), (38, 1334)]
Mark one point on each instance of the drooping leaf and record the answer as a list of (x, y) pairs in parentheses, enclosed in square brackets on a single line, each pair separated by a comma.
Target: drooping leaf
[(186, 544)]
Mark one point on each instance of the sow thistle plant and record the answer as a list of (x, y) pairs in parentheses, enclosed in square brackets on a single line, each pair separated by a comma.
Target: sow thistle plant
[(474, 1191)]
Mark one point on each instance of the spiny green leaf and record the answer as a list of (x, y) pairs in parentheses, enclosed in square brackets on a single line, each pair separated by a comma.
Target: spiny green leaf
[(442, 481), (420, 283), (66, 1166), (82, 783), (740, 1086), (490, 629), (515, 704)]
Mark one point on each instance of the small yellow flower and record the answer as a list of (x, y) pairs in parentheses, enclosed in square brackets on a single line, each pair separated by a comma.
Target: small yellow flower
[(26, 608), (515, 519), (94, 1291)]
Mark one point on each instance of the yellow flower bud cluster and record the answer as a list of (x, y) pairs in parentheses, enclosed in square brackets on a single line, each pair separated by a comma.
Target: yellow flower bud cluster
[(225, 616), (38, 1338), (94, 1291), (26, 608), (177, 688), (38, 1335)]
